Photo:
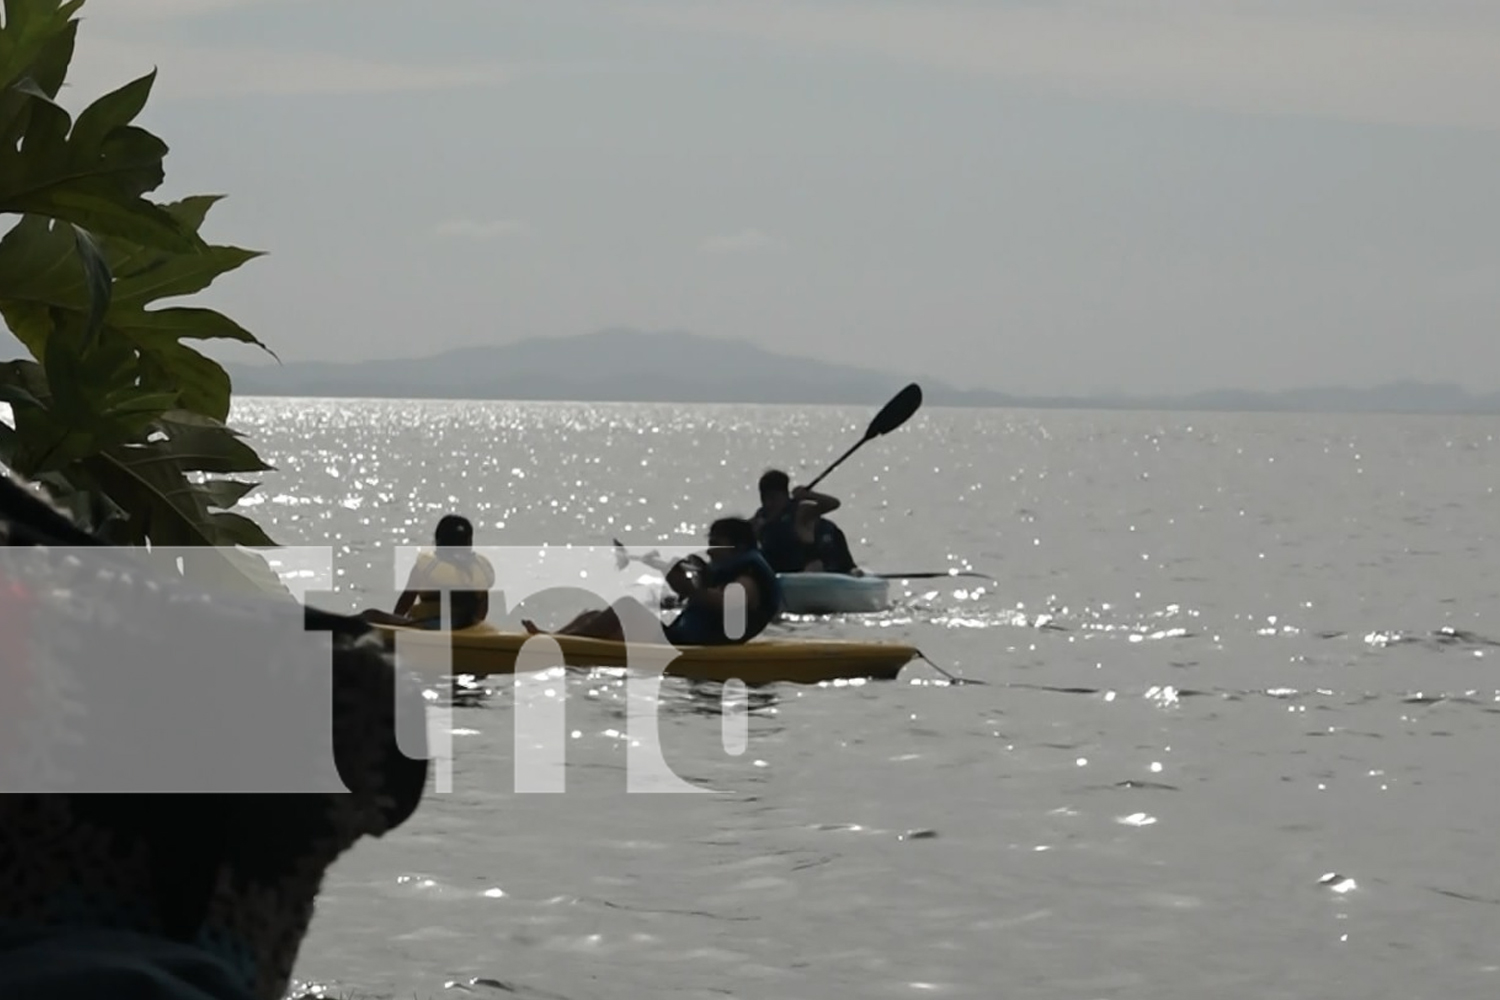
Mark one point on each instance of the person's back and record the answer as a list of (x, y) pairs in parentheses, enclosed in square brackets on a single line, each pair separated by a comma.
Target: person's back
[(831, 548), (464, 574), (780, 546), (454, 566)]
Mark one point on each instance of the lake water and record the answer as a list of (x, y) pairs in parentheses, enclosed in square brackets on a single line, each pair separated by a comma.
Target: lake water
[(1238, 736)]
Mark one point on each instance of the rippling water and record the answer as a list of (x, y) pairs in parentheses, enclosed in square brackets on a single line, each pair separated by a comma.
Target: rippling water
[(1236, 740)]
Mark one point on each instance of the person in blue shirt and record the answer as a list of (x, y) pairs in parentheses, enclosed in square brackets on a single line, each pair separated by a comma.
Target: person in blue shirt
[(793, 532), (706, 619)]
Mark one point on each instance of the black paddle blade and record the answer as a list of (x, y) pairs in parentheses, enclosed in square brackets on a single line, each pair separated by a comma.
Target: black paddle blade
[(897, 412)]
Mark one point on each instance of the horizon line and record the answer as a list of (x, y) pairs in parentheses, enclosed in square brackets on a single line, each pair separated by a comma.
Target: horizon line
[(1063, 404)]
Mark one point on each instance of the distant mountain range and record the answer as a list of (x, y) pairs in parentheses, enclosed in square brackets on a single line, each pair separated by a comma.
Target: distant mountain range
[(622, 365)]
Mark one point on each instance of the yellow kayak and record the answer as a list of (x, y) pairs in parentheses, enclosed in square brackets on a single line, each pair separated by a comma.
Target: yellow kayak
[(483, 650)]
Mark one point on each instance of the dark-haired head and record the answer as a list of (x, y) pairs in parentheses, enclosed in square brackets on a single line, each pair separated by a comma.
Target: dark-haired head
[(775, 484), (733, 535), (454, 532)]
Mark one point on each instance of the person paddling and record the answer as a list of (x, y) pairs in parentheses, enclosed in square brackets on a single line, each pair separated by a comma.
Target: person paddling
[(454, 566), (704, 587), (793, 532)]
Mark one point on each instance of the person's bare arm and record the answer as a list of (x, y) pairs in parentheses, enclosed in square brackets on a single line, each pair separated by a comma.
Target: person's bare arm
[(409, 595), (483, 604), (805, 520), (824, 503)]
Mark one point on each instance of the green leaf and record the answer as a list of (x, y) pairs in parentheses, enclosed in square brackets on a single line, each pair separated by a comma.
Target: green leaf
[(229, 567), (203, 386), (116, 417), (134, 413), (28, 34), (198, 444), (38, 267), (49, 68), (126, 258), (144, 479), (149, 479), (39, 263), (181, 274), (42, 81), (72, 401), (180, 323), (27, 375), (93, 201), (55, 453), (18, 395), (97, 278), (37, 432), (93, 510), (146, 273), (224, 493), (240, 530), (94, 174), (114, 110), (30, 323)]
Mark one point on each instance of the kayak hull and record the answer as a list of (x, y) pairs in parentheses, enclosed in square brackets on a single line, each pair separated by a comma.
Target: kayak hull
[(833, 593), (483, 651)]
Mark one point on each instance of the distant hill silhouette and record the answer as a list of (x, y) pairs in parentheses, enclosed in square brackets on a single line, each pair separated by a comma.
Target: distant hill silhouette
[(622, 365)]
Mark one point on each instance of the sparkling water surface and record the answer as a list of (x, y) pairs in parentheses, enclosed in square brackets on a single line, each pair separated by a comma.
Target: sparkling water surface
[(1235, 739)]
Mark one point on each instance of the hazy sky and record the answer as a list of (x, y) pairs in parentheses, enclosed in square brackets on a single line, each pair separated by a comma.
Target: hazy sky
[(1040, 196)]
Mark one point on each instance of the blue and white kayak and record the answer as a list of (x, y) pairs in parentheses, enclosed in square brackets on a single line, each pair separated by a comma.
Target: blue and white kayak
[(832, 593)]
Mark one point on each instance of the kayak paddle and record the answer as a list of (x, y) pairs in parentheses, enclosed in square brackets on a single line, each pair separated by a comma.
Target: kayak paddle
[(652, 558), (895, 413), (930, 576), (956, 681)]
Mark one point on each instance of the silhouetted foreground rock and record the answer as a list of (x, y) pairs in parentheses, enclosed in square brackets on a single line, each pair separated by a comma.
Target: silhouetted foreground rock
[(155, 840)]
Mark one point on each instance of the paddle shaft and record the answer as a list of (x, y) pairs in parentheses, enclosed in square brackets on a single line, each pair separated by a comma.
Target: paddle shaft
[(928, 576), (957, 681), (855, 447), (897, 411), (656, 563), (651, 559)]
